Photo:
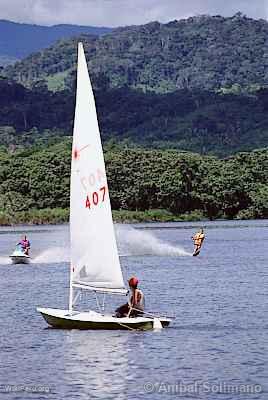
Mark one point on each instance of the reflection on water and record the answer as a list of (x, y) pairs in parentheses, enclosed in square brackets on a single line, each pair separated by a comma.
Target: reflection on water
[(96, 363)]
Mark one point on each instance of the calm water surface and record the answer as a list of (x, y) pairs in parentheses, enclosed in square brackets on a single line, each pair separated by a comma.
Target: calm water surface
[(219, 336)]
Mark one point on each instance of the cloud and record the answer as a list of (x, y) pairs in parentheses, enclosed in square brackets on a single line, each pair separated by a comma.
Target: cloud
[(122, 12)]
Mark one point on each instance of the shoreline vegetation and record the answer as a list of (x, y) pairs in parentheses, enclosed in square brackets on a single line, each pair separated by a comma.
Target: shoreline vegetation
[(144, 185), (61, 216), (58, 216)]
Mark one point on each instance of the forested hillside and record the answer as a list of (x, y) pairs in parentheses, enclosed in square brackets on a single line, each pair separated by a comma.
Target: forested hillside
[(199, 84), (211, 53), (19, 40), (38, 179), (200, 121)]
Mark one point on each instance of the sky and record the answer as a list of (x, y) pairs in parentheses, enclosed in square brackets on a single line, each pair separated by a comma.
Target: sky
[(112, 13)]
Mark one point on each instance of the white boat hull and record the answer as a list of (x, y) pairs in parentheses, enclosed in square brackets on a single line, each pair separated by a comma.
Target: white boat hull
[(23, 259), (92, 320)]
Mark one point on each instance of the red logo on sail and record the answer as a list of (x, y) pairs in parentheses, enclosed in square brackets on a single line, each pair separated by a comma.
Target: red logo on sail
[(76, 152)]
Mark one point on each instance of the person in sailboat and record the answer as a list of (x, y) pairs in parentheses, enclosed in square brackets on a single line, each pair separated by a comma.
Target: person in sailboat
[(198, 239), (25, 245), (135, 305)]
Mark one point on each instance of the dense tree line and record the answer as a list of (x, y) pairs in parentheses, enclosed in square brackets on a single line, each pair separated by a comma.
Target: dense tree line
[(203, 52), (200, 121), (141, 180)]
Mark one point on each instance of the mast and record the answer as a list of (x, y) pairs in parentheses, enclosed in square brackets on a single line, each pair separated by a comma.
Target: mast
[(71, 290)]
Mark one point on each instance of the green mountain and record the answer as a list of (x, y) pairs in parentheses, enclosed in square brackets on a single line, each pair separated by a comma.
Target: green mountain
[(19, 40), (204, 53), (200, 121), (199, 84)]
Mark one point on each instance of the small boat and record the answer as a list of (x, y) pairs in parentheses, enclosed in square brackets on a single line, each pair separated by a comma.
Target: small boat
[(19, 257), (95, 266)]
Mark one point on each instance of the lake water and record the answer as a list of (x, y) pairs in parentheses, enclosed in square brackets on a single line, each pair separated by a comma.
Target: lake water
[(216, 346)]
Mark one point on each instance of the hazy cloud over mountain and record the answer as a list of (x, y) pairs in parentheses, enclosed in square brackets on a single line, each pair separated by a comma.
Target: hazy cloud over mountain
[(123, 12)]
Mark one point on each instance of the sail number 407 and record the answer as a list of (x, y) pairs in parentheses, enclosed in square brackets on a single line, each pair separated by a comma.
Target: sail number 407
[(93, 199)]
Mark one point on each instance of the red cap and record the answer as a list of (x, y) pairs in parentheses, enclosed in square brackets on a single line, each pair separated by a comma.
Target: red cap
[(133, 281)]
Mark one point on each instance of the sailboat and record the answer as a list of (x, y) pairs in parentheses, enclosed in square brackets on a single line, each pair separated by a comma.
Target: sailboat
[(95, 264)]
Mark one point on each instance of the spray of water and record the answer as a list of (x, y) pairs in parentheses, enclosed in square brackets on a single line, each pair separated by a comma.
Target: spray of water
[(5, 260), (53, 255), (135, 242), (131, 242)]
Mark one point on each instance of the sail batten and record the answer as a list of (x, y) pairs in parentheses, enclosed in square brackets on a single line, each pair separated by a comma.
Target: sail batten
[(100, 289), (94, 256)]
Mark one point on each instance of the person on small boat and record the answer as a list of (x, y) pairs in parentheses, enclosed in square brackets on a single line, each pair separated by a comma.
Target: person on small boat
[(198, 239), (135, 305), (25, 245)]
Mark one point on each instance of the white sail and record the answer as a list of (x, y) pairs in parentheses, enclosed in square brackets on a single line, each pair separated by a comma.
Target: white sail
[(94, 257)]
